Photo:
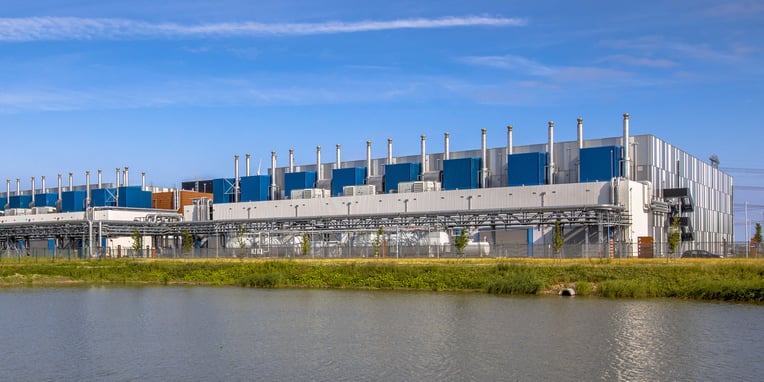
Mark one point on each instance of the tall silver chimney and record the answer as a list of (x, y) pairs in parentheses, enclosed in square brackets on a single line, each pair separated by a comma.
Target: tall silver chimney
[(389, 151), (291, 160), (550, 166), (246, 165), (100, 178), (71, 182), (18, 186), (31, 203), (368, 161), (126, 176), (235, 178), (318, 163), (87, 189), (44, 190), (60, 190), (509, 140), (580, 133), (8, 194), (484, 160), (446, 147), (339, 163), (423, 168), (626, 151), (273, 175), (117, 185), (143, 180)]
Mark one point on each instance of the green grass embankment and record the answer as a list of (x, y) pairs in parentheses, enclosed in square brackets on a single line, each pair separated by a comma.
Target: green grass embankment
[(724, 280)]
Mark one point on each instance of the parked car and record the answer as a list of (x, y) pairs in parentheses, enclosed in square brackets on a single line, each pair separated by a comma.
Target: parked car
[(700, 253)]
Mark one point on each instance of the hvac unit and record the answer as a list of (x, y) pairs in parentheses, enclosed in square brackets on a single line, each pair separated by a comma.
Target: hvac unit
[(367, 189), (17, 211), (418, 186), (310, 193), (43, 210)]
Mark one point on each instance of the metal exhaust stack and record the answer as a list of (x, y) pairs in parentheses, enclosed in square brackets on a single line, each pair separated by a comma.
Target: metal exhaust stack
[(246, 164), (291, 160), (31, 203), (389, 151), (60, 189), (8, 194), (626, 157), (43, 190), (318, 163), (18, 186), (338, 164), (87, 189), (273, 175), (100, 178), (368, 161), (484, 159), (550, 166), (423, 168), (71, 182), (117, 178), (580, 133), (126, 180), (235, 178), (446, 147), (509, 140), (143, 181)]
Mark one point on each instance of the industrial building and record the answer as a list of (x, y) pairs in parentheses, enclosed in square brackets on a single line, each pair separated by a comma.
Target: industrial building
[(613, 197)]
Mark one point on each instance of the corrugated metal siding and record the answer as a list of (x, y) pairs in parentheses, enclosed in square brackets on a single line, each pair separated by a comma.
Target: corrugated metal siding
[(223, 190), (527, 169), (342, 177), (133, 197), (298, 181), (600, 163), (461, 174), (401, 172), (73, 201), (254, 188), (45, 200)]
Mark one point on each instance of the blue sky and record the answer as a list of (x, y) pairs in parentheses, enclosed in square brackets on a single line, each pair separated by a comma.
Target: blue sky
[(176, 88)]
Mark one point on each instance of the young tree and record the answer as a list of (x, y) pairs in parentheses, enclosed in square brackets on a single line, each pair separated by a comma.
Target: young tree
[(675, 234), (137, 242), (460, 242), (377, 244), (757, 238), (557, 241), (305, 245), (187, 241)]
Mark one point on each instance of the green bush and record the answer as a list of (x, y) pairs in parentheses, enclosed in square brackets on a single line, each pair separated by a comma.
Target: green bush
[(517, 283)]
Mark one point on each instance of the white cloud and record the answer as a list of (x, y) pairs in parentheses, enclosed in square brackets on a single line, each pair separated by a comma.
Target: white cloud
[(74, 28)]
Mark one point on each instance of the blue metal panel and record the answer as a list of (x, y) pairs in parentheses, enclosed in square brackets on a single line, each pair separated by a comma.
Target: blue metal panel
[(299, 181), (526, 169), (254, 188), (51, 244), (222, 190), (73, 201), (401, 172), (461, 174), (133, 197), (45, 200), (600, 163), (103, 197), (20, 201), (351, 176)]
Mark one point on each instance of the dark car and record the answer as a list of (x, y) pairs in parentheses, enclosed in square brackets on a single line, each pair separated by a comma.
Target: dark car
[(700, 253)]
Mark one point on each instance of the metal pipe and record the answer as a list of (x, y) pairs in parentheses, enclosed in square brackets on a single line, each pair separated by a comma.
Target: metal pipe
[(8, 194), (446, 147), (484, 159), (143, 181), (60, 189), (368, 161), (389, 151), (273, 175), (31, 203), (87, 189), (44, 190), (126, 180), (246, 164), (550, 163), (626, 157), (117, 178), (71, 182), (291, 160), (509, 140), (100, 178), (236, 178), (338, 164), (18, 186), (423, 167), (580, 133), (318, 163)]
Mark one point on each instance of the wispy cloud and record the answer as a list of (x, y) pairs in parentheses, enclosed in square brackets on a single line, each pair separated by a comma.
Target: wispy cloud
[(525, 66), (647, 62), (74, 28)]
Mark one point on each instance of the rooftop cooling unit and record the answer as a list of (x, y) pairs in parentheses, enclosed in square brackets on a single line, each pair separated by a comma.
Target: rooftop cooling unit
[(418, 186), (43, 210), (367, 189), (310, 193)]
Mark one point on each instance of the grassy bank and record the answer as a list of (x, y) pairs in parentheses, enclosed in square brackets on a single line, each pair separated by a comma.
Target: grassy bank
[(725, 279)]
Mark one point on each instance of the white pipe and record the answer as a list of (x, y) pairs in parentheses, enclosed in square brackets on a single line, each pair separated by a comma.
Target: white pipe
[(484, 159), (273, 175), (31, 203), (100, 178), (318, 163), (236, 178), (71, 182), (338, 164), (8, 194), (389, 151), (126, 176), (291, 160), (246, 165), (44, 189), (580, 133), (446, 147), (60, 189), (626, 157), (550, 165), (368, 161), (87, 189), (18, 186), (143, 181), (423, 168), (509, 140), (117, 178)]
